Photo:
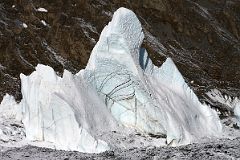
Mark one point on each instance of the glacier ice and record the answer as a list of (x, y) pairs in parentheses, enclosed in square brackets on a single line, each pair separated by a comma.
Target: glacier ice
[(141, 95), (120, 87), (237, 111), (9, 108), (9, 119), (64, 111), (232, 103)]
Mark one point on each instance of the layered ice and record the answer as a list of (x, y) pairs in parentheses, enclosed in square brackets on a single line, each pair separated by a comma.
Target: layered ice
[(64, 111), (119, 87), (140, 95)]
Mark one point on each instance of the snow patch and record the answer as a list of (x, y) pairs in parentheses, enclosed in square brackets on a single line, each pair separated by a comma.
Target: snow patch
[(24, 25), (60, 59), (44, 22), (42, 10)]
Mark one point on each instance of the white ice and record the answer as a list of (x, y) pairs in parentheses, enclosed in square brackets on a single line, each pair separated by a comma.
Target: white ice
[(140, 95), (9, 107), (232, 103), (119, 87), (9, 119), (64, 111)]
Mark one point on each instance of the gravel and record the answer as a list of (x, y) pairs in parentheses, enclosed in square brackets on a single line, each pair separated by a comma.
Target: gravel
[(218, 149)]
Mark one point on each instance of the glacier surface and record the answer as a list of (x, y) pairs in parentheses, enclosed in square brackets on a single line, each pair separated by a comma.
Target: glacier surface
[(120, 87)]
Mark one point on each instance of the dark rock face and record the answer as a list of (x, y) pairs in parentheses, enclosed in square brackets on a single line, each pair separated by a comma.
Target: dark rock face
[(202, 37)]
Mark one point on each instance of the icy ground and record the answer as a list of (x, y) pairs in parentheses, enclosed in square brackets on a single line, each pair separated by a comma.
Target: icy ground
[(223, 149)]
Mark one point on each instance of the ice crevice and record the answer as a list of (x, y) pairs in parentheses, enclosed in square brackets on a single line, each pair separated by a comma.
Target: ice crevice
[(119, 88)]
